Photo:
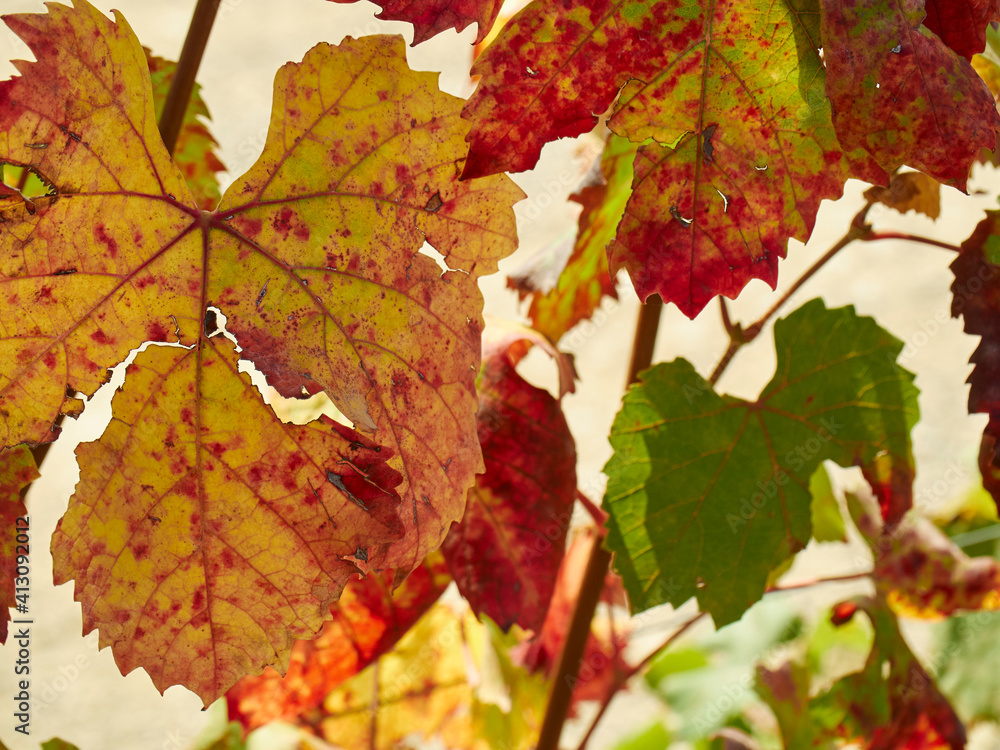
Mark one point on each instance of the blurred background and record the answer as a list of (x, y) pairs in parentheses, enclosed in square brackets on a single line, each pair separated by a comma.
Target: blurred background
[(905, 287)]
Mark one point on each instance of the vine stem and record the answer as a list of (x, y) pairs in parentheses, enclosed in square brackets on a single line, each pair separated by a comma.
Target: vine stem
[(872, 236), (628, 674), (739, 336), (171, 119), (598, 564), (172, 116)]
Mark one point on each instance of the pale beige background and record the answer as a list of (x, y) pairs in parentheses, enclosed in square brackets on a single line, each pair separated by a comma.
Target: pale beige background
[(83, 697)]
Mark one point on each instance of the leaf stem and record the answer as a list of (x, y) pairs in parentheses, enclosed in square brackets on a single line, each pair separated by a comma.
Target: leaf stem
[(598, 563), (872, 236), (739, 336), (595, 511), (176, 104)]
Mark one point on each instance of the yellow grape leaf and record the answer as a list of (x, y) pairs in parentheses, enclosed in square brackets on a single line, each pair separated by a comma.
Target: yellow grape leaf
[(207, 571), (314, 257)]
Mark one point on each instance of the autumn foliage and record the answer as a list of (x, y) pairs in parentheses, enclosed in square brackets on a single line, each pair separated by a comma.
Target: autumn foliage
[(301, 572)]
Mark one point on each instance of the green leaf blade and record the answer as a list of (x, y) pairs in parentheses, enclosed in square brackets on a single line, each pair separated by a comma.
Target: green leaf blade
[(708, 494)]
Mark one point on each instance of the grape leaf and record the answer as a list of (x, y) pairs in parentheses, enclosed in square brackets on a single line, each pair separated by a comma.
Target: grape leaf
[(505, 552), (976, 297), (314, 255), (733, 96), (900, 93), (970, 670), (901, 709), (431, 17), (909, 191), (420, 688), (583, 280), (368, 620), (961, 24), (207, 571), (921, 572), (707, 493), (827, 520), (17, 470), (194, 152)]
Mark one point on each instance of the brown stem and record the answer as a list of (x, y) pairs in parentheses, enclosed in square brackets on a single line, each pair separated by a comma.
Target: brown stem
[(872, 236), (818, 581), (739, 336), (182, 84), (568, 666)]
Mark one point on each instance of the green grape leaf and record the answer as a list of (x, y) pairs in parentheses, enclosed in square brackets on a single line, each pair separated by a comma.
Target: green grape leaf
[(708, 493)]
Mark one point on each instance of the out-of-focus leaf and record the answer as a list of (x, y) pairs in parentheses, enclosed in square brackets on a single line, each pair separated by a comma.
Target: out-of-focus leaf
[(367, 621), (17, 470), (970, 665), (431, 17), (420, 689), (583, 279), (201, 574), (901, 709), (603, 658), (194, 152), (976, 297), (827, 520), (909, 191), (516, 725), (785, 690), (877, 57), (962, 24), (505, 553), (708, 680), (922, 572), (654, 737), (707, 494)]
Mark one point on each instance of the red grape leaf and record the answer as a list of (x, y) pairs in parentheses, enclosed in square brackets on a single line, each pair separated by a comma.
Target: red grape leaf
[(194, 152), (431, 17), (976, 297), (505, 552), (961, 24), (17, 470), (206, 572), (900, 93), (903, 710), (582, 279), (367, 621), (314, 255), (733, 96)]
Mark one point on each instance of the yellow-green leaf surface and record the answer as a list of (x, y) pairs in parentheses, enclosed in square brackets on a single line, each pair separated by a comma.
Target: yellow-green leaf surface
[(17, 470), (446, 684), (205, 534), (707, 494), (314, 255)]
